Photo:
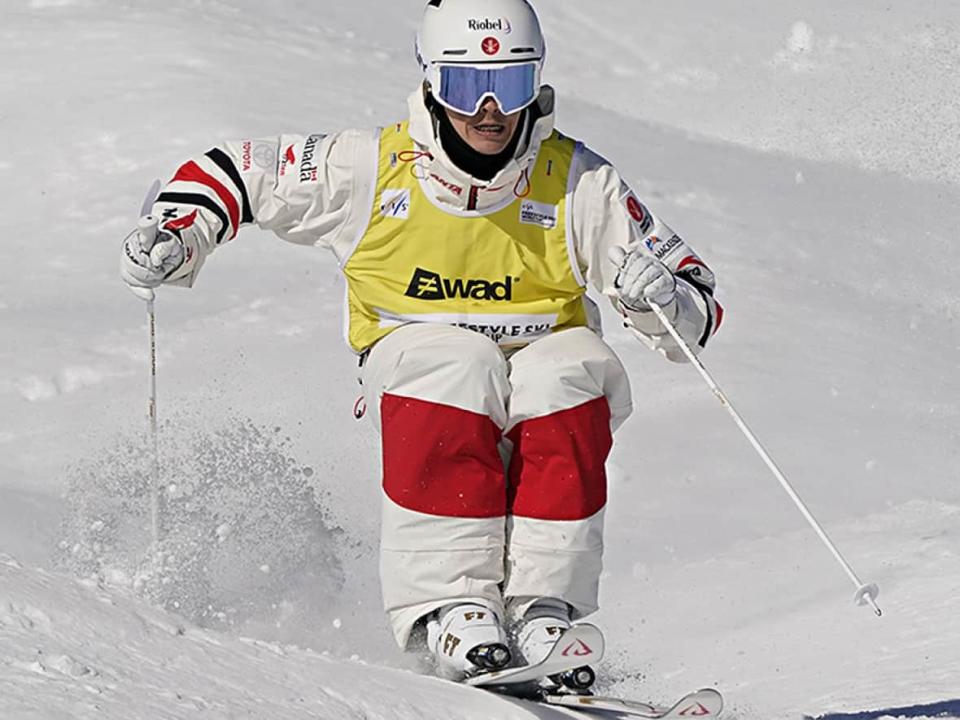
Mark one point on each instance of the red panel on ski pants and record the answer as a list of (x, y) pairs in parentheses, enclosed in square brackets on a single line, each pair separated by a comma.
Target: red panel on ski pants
[(441, 460), (557, 470)]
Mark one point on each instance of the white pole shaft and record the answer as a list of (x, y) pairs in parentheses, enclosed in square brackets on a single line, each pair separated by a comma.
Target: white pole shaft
[(867, 593), (147, 226), (152, 410)]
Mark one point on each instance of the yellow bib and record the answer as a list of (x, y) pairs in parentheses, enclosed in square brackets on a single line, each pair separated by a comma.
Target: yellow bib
[(509, 272)]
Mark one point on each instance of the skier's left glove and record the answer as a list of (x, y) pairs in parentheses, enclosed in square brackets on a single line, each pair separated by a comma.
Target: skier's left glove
[(642, 280), (149, 255)]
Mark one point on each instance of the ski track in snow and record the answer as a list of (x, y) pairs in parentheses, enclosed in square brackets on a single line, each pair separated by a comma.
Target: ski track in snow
[(811, 158)]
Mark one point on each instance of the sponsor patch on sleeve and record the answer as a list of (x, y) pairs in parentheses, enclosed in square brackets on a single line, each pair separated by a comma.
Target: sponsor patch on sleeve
[(535, 213), (257, 156), (288, 161), (639, 213), (662, 248), (309, 168)]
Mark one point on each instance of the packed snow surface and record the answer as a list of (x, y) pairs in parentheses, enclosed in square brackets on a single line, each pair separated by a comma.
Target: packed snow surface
[(808, 151)]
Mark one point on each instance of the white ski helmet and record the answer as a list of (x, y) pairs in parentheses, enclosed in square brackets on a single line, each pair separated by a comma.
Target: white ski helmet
[(470, 50)]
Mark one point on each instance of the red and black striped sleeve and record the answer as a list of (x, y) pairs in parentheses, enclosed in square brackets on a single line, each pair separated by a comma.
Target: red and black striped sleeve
[(211, 183), (692, 270)]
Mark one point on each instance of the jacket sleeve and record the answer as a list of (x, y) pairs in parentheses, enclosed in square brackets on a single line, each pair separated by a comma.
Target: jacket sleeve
[(309, 190), (607, 213)]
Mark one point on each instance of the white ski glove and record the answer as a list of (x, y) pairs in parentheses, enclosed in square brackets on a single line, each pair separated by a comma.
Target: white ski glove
[(149, 255), (642, 279)]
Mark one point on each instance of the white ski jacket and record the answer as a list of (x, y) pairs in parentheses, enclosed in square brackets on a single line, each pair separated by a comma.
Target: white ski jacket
[(318, 190)]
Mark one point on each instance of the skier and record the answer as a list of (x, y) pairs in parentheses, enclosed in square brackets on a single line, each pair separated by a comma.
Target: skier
[(468, 235)]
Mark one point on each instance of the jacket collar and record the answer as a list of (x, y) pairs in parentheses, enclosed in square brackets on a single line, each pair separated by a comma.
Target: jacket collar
[(458, 191)]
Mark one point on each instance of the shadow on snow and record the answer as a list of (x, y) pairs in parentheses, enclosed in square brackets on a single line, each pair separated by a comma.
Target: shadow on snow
[(945, 709)]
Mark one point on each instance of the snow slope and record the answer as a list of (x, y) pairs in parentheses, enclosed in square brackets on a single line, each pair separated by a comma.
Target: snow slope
[(74, 650), (810, 156), (858, 82)]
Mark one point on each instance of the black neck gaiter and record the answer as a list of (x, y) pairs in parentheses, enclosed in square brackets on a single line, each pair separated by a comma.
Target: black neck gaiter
[(483, 167)]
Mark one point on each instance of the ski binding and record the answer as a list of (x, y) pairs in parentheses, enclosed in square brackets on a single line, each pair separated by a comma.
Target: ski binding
[(580, 646)]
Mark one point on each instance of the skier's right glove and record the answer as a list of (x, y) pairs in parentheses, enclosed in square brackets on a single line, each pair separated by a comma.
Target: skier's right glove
[(149, 255), (642, 280)]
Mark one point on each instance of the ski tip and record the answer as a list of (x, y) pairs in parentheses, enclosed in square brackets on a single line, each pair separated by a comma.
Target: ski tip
[(585, 640), (704, 703)]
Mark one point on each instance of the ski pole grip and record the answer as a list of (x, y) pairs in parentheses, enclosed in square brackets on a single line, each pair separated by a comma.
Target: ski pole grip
[(147, 231)]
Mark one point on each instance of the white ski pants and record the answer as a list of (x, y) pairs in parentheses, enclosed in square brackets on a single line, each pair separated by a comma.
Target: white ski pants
[(460, 520)]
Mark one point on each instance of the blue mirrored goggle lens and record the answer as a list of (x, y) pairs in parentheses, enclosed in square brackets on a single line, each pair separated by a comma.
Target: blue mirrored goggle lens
[(463, 87)]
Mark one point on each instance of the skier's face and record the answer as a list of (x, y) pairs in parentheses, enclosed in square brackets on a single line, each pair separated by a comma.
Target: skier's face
[(489, 131)]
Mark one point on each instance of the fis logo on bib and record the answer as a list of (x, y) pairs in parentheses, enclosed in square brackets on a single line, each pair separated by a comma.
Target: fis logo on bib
[(395, 204), (427, 285)]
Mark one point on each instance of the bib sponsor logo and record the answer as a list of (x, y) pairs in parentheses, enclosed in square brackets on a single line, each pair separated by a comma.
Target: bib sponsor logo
[(534, 213), (395, 204), (309, 172), (662, 248), (640, 214), (427, 285), (486, 25)]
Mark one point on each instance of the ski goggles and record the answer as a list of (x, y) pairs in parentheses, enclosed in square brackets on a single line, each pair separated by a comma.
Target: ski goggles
[(463, 88)]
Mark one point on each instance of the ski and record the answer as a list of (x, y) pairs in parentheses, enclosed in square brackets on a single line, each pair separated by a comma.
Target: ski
[(583, 645), (701, 705), (579, 646)]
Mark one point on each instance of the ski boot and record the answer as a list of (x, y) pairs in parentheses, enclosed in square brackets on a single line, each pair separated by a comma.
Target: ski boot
[(542, 626), (467, 639)]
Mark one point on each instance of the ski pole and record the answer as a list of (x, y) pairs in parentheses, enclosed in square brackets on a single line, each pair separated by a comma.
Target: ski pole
[(154, 442), (147, 226), (866, 593)]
